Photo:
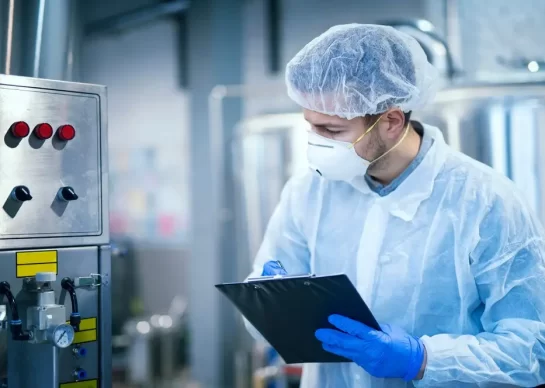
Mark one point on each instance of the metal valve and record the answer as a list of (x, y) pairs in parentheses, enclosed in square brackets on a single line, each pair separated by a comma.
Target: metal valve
[(79, 374), (46, 318), (45, 277), (67, 194), (21, 194), (94, 280), (79, 351)]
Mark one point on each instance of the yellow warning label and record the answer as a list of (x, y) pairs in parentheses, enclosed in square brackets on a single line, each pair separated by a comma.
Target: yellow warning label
[(87, 331), (88, 324), (30, 263), (38, 257), (29, 270), (85, 336), (81, 384)]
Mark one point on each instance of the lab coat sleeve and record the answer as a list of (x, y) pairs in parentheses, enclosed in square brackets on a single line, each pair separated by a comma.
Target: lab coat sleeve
[(284, 239), (509, 271)]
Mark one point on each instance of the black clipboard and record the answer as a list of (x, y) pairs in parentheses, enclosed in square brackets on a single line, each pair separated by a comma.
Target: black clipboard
[(288, 310)]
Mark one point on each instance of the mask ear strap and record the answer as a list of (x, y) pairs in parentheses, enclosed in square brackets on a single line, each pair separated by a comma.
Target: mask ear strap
[(394, 147), (365, 133)]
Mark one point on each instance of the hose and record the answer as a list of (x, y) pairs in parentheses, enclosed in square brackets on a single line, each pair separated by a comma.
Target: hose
[(75, 317), (15, 325)]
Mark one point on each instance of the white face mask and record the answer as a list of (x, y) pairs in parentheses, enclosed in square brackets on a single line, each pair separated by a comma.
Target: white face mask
[(337, 160), (334, 160)]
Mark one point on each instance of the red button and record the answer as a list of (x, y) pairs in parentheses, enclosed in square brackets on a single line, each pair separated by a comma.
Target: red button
[(43, 131), (67, 132), (20, 129)]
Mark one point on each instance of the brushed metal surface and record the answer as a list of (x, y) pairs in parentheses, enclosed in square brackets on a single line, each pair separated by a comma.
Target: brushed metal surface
[(45, 167), (105, 316), (30, 365), (78, 230)]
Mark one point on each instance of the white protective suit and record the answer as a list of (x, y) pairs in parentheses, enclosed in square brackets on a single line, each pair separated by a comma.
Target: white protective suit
[(453, 256)]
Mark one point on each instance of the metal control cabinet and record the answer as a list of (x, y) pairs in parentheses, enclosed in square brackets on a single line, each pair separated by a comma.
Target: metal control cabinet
[(52, 232)]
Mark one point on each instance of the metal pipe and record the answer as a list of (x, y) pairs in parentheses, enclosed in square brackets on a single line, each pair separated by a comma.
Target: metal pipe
[(137, 17), (216, 140), (426, 28), (540, 116), (453, 31), (39, 34), (9, 37), (218, 166), (55, 358), (482, 91), (36, 38), (274, 38), (75, 29)]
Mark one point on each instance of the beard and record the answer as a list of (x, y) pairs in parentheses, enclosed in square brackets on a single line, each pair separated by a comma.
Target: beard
[(376, 148)]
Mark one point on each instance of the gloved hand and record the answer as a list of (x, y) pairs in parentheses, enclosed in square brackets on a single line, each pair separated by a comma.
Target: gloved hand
[(389, 354), (272, 268)]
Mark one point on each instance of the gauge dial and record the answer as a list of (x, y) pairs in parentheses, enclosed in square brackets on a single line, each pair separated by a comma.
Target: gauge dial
[(63, 336)]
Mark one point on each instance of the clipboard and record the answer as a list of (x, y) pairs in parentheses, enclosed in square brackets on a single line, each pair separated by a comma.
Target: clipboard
[(287, 311)]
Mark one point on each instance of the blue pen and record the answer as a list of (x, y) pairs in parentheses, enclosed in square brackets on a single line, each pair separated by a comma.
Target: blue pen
[(281, 266)]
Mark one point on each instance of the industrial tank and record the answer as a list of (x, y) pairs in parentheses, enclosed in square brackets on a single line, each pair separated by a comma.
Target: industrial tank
[(499, 124)]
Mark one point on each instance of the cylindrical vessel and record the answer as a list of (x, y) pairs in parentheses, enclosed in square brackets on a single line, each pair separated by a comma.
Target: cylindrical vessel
[(498, 124)]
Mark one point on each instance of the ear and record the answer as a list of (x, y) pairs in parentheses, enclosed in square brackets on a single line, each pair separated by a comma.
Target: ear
[(394, 124)]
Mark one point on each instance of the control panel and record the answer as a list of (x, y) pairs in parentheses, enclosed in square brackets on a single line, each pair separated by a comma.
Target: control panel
[(50, 163), (54, 236)]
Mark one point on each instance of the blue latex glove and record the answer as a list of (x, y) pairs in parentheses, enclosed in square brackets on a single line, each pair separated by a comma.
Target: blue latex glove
[(389, 354), (272, 268)]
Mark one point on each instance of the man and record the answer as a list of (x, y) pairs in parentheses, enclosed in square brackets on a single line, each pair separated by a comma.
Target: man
[(442, 248)]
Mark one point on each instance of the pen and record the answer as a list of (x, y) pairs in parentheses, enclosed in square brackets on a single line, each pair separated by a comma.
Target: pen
[(281, 266)]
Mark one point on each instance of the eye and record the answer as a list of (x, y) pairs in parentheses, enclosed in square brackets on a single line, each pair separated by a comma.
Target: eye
[(325, 130)]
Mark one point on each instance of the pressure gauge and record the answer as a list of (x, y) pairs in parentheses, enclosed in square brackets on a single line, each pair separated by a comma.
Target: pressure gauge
[(62, 335)]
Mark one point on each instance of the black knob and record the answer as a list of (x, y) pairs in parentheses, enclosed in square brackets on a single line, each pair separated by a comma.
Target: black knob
[(21, 194), (67, 194)]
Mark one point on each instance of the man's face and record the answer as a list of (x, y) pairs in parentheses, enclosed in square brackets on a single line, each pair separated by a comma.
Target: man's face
[(370, 147)]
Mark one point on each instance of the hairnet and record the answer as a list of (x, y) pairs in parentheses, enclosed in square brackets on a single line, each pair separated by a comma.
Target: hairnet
[(357, 69)]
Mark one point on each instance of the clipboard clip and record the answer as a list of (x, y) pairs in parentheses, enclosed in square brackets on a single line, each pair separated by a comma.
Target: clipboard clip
[(280, 277)]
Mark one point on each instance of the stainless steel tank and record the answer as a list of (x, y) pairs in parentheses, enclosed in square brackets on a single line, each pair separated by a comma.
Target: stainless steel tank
[(500, 124), (267, 151)]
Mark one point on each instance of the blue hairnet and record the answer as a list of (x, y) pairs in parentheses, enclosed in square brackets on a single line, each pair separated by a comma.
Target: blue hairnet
[(356, 70)]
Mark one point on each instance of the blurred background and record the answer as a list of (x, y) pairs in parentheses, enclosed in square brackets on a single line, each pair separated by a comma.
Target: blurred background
[(202, 138)]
